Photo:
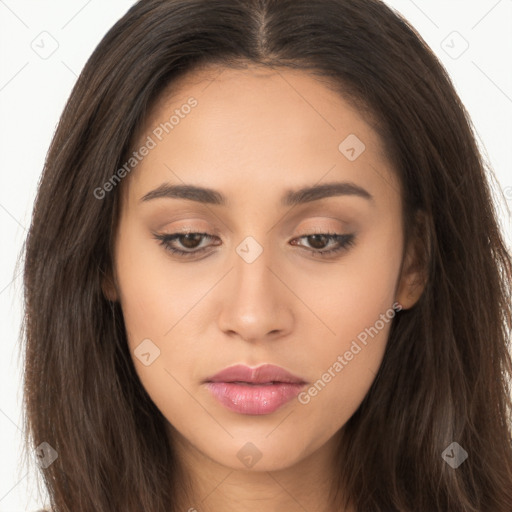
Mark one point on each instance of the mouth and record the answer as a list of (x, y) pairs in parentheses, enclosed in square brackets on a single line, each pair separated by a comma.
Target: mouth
[(254, 391)]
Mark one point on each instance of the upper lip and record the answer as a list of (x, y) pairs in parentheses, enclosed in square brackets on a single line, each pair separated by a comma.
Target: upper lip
[(259, 375)]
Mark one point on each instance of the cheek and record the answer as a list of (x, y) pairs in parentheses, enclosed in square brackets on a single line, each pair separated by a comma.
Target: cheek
[(154, 294), (345, 364), (158, 301), (350, 294), (355, 303)]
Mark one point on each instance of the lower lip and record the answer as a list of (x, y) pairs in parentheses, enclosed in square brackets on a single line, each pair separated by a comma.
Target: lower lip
[(254, 399)]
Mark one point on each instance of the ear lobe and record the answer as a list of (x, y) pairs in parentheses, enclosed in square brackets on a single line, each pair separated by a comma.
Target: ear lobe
[(108, 288), (414, 274)]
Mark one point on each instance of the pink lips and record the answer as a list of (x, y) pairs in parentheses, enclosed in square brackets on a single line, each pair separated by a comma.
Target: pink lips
[(260, 390)]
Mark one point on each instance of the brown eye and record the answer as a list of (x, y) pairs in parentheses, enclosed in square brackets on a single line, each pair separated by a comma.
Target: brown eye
[(190, 240), (318, 241), (184, 244)]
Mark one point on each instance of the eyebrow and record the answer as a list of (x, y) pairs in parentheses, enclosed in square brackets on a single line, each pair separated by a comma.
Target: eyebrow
[(289, 198)]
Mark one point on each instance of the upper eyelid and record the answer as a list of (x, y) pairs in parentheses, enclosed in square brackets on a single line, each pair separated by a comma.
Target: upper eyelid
[(345, 228)]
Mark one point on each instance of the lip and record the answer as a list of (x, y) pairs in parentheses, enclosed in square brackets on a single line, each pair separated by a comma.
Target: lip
[(255, 391), (260, 375)]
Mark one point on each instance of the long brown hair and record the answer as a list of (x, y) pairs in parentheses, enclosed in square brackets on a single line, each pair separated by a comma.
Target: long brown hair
[(446, 372)]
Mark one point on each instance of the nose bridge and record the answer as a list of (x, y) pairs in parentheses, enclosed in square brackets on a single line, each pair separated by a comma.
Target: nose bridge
[(253, 283), (255, 303)]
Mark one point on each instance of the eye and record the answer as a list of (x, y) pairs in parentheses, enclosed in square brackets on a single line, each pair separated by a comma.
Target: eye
[(319, 241), (191, 244), (189, 241)]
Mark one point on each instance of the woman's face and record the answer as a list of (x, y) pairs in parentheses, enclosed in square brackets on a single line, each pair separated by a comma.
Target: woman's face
[(260, 287)]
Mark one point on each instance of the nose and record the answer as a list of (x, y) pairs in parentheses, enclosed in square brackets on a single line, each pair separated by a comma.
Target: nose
[(256, 304)]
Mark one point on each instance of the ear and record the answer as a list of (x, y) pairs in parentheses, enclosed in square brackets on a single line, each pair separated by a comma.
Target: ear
[(414, 272), (109, 288)]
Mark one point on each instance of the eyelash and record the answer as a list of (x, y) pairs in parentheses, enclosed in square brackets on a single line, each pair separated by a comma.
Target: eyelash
[(344, 241)]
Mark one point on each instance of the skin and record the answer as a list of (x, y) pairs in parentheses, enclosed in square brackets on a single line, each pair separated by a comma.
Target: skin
[(254, 135)]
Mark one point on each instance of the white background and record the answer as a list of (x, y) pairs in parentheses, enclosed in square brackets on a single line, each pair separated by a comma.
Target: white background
[(33, 91)]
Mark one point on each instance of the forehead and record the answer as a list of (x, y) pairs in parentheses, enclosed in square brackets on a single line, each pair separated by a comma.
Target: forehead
[(301, 102), (257, 127)]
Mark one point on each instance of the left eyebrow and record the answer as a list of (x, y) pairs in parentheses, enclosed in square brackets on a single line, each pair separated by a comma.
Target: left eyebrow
[(290, 197), (316, 192)]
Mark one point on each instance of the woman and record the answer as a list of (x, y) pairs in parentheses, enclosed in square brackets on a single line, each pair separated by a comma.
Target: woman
[(264, 271)]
